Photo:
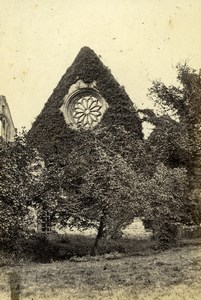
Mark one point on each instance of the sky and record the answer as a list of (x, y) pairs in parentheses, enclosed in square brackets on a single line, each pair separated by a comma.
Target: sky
[(139, 40)]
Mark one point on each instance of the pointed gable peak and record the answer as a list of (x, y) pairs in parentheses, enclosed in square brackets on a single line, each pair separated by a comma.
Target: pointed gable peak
[(94, 83), (87, 66), (86, 52)]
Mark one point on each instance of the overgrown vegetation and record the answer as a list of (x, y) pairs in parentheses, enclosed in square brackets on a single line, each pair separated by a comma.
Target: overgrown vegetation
[(104, 177), (50, 133), (176, 139), (15, 183), (76, 247)]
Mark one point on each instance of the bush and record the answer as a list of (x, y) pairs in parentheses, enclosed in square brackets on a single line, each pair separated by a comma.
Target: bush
[(165, 234), (190, 232), (16, 180), (42, 248), (54, 247)]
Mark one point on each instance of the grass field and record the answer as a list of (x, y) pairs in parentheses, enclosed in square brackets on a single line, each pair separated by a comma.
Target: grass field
[(172, 274)]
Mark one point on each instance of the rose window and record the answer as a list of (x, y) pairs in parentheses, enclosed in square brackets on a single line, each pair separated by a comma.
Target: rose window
[(87, 111), (84, 108)]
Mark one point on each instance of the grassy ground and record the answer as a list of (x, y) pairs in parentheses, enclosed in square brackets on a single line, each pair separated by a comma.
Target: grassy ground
[(172, 274)]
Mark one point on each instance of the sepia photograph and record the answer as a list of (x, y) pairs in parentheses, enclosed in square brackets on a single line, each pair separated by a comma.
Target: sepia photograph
[(100, 150)]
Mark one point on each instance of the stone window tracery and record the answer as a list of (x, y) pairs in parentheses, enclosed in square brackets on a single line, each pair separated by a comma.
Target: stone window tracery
[(84, 108), (87, 111)]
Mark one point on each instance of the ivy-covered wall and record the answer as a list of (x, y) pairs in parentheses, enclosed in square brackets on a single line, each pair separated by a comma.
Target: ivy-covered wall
[(50, 132)]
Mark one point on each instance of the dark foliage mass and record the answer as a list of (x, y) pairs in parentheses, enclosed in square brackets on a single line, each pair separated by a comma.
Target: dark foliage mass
[(184, 102), (89, 153), (176, 138), (45, 249), (104, 177), (163, 160), (15, 184), (50, 133)]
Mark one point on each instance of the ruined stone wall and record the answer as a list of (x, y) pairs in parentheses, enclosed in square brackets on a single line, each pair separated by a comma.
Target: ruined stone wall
[(7, 128)]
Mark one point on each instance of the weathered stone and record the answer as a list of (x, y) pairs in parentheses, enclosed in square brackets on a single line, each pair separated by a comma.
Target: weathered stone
[(7, 128)]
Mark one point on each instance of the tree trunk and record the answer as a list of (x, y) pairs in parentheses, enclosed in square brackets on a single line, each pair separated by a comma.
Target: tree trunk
[(99, 236)]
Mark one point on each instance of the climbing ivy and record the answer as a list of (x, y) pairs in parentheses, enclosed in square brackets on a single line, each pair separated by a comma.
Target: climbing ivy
[(51, 134)]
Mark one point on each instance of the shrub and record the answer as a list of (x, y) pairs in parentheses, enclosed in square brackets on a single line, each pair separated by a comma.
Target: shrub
[(54, 247), (15, 184), (165, 234)]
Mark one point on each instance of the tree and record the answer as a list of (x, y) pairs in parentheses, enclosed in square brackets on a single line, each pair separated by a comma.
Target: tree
[(127, 145), (184, 102), (176, 138), (165, 196), (91, 187), (15, 181), (112, 189)]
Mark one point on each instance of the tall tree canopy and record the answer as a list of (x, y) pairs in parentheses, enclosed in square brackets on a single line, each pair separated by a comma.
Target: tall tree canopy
[(176, 139)]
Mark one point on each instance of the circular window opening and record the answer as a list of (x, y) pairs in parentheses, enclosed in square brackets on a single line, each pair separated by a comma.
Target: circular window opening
[(84, 108)]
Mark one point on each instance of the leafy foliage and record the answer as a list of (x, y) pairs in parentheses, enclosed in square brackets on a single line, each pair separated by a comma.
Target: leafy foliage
[(113, 176), (166, 191), (176, 138), (105, 177), (168, 142), (183, 101), (51, 134), (15, 182), (91, 186), (165, 197)]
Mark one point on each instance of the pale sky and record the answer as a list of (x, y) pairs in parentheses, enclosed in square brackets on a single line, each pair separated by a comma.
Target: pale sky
[(139, 40)]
